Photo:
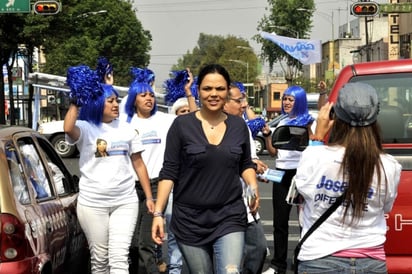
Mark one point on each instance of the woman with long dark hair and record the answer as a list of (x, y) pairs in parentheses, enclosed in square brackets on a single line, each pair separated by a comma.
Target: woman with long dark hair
[(355, 166)]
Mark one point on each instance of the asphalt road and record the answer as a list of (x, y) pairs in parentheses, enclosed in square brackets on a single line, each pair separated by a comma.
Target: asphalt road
[(266, 212)]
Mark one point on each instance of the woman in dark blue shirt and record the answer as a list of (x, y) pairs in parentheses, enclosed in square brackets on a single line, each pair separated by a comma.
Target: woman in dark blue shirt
[(206, 152)]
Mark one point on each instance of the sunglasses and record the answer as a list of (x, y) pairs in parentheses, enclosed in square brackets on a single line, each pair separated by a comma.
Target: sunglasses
[(238, 100)]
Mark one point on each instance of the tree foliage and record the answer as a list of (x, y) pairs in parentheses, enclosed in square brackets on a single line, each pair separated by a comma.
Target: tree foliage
[(10, 27), (232, 52), (289, 18), (79, 34), (88, 29)]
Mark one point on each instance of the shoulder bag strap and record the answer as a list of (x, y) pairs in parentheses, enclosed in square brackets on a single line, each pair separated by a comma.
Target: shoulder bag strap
[(318, 222)]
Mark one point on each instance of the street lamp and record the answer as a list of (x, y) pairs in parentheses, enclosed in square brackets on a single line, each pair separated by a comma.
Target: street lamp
[(243, 47), (246, 64), (86, 14), (296, 33), (329, 18), (332, 42)]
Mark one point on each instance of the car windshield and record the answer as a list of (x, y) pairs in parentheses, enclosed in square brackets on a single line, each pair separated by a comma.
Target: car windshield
[(275, 121), (395, 99)]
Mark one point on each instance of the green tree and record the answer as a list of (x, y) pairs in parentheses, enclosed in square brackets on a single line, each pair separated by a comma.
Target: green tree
[(88, 29), (290, 18), (79, 34), (11, 27), (232, 52)]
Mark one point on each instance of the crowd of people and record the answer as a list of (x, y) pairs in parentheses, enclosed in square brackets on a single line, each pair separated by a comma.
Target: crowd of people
[(190, 176)]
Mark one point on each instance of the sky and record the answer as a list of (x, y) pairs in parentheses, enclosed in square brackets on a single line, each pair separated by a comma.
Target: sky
[(175, 24)]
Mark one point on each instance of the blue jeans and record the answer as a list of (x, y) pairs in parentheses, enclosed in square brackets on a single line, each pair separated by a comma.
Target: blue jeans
[(339, 265), (173, 251), (226, 252), (255, 248)]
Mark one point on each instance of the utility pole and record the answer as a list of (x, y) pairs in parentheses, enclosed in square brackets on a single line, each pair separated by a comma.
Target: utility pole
[(368, 54)]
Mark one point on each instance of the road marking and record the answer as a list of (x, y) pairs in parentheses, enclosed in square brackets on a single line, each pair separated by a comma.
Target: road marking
[(291, 237), (293, 223)]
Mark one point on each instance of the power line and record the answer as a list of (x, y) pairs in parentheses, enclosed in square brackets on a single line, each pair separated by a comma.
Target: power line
[(198, 6), (198, 10), (169, 3)]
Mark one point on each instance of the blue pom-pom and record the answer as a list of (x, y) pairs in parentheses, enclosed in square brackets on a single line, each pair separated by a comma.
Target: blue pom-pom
[(256, 125), (193, 89), (142, 75), (175, 86), (84, 84), (103, 68)]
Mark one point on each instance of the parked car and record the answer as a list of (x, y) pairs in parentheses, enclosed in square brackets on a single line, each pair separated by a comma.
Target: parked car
[(54, 132), (40, 232), (393, 83)]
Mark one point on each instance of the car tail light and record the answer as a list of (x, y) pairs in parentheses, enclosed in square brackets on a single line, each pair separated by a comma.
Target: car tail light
[(13, 244)]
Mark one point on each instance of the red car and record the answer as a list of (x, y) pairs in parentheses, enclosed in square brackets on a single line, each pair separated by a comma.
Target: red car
[(40, 232), (393, 82)]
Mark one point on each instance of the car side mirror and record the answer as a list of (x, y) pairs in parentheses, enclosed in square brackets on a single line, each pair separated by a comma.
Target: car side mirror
[(290, 138)]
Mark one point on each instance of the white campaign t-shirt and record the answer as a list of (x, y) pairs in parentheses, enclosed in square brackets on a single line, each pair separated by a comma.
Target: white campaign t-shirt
[(110, 180), (319, 180), (152, 133)]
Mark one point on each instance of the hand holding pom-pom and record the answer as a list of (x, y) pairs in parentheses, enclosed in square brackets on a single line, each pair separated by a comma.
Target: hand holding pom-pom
[(84, 85), (256, 125)]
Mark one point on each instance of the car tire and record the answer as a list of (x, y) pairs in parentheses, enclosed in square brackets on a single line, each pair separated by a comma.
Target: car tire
[(260, 145), (62, 147)]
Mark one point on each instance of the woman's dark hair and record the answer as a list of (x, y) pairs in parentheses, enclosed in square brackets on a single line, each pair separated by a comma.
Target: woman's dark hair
[(213, 68), (363, 148)]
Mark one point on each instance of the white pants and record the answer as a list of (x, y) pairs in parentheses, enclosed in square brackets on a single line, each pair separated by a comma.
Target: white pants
[(109, 231)]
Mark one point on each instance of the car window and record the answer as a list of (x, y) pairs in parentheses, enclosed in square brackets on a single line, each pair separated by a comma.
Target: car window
[(17, 177), (395, 99), (63, 180), (34, 169)]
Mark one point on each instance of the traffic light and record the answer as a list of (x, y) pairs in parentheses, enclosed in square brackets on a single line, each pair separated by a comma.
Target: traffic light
[(46, 7), (364, 9)]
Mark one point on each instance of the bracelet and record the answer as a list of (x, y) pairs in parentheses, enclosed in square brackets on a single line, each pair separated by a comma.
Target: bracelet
[(189, 95), (315, 143), (151, 199), (157, 214), (73, 101), (315, 138), (323, 92), (267, 134)]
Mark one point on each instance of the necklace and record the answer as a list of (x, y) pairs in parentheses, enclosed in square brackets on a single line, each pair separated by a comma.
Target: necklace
[(209, 125)]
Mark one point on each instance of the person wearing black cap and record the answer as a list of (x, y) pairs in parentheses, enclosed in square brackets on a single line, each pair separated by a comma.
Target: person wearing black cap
[(353, 165)]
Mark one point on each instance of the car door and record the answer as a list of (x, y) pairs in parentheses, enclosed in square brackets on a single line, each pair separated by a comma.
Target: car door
[(67, 188), (50, 226)]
